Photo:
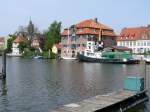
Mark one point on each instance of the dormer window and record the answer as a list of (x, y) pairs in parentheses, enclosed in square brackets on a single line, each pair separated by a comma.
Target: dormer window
[(144, 35), (94, 30)]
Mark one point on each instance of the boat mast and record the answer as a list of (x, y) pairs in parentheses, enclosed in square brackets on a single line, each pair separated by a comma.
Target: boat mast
[(68, 42), (100, 34)]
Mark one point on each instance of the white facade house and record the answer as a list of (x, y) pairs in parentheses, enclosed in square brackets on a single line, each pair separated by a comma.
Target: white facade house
[(138, 46), (138, 39), (15, 47)]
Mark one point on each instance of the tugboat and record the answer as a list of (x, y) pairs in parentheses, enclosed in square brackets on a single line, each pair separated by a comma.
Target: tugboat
[(95, 53)]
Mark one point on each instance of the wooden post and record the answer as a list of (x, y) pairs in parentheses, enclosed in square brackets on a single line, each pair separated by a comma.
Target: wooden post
[(4, 64), (143, 72)]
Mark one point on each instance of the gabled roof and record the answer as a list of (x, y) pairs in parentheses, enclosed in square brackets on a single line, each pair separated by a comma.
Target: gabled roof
[(65, 32), (92, 27), (137, 33), (20, 39), (90, 23)]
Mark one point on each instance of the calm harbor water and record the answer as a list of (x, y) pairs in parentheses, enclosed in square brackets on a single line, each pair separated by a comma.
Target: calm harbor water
[(43, 85)]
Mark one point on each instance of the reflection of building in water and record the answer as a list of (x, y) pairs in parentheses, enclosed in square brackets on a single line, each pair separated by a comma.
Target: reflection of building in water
[(3, 87)]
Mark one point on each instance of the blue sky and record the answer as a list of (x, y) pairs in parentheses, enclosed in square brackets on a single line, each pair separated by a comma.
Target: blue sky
[(114, 13)]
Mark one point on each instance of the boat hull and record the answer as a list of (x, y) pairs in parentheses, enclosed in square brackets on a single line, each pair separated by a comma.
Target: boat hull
[(68, 58), (83, 58)]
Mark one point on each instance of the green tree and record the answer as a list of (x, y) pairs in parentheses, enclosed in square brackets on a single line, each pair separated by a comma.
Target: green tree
[(10, 42), (22, 46), (52, 35)]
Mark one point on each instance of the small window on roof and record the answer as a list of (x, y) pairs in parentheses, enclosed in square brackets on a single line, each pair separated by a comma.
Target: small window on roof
[(144, 35)]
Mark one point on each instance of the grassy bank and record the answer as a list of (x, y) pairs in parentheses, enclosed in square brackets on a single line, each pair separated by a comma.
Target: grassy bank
[(46, 55)]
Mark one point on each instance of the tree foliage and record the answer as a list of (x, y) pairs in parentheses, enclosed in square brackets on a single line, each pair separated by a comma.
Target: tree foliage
[(52, 35), (10, 42), (22, 46)]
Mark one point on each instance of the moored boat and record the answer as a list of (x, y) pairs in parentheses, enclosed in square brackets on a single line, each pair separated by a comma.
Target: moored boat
[(38, 57), (83, 58), (69, 58), (147, 60), (107, 55)]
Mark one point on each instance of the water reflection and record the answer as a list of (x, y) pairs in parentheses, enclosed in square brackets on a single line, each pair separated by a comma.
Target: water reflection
[(3, 88), (42, 85)]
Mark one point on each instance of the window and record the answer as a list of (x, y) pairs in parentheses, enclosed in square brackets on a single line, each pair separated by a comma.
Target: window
[(73, 46), (141, 43), (145, 43), (80, 30), (130, 43), (78, 45), (134, 43), (148, 43), (84, 45), (65, 45), (127, 43)]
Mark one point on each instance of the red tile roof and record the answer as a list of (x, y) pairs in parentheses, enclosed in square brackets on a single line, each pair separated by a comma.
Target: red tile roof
[(90, 26), (134, 33), (65, 32), (90, 23), (20, 39)]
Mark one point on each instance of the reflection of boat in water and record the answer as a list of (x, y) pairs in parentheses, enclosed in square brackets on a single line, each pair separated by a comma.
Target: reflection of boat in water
[(107, 55)]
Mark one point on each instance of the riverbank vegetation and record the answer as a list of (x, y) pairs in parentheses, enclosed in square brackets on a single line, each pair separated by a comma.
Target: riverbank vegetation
[(46, 40)]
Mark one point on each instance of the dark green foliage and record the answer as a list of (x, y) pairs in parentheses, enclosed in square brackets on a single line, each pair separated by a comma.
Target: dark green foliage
[(22, 46), (46, 55), (52, 35), (10, 42), (28, 53)]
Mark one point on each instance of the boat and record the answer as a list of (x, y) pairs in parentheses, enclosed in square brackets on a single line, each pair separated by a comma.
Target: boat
[(69, 58), (38, 57), (147, 60), (107, 55)]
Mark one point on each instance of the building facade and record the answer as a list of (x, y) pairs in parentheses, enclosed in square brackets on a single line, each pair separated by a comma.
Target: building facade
[(138, 39), (15, 49), (74, 38), (2, 43)]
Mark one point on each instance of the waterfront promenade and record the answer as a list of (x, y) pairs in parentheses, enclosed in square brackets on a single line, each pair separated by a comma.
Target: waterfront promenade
[(121, 100)]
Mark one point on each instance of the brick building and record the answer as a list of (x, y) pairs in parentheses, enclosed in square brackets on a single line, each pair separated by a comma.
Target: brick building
[(74, 38)]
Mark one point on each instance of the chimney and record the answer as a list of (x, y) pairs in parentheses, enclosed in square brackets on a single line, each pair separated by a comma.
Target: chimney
[(96, 20)]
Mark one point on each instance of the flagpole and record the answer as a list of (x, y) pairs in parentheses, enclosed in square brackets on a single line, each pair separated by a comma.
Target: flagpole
[(68, 42), (100, 34)]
